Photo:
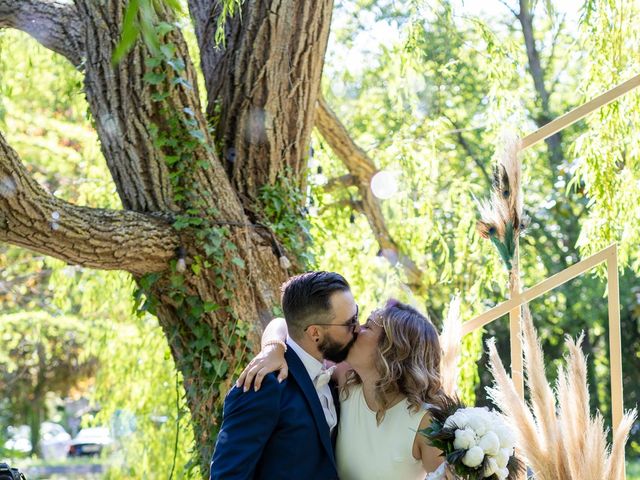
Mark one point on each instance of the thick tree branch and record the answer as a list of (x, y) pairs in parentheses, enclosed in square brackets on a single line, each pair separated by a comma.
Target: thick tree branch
[(213, 58), (346, 203), (54, 23), (98, 238), (262, 85), (343, 181), (361, 167)]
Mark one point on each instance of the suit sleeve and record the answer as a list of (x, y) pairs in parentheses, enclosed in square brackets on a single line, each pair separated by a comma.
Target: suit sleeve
[(249, 419)]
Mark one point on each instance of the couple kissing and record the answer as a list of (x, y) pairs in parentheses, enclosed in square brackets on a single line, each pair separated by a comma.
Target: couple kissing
[(330, 398)]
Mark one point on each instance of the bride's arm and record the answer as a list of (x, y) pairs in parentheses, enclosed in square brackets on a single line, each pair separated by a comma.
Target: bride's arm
[(270, 358), (423, 450), (340, 373)]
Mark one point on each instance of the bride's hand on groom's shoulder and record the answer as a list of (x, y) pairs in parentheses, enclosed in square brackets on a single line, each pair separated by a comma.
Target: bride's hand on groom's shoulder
[(270, 359)]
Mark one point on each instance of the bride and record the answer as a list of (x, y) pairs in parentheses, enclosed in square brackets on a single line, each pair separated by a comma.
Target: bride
[(391, 372)]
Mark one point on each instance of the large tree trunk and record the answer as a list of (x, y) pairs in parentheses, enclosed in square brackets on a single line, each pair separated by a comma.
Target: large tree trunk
[(262, 87), (262, 90)]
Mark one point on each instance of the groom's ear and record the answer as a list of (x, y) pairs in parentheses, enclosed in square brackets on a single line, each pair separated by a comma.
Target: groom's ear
[(314, 333)]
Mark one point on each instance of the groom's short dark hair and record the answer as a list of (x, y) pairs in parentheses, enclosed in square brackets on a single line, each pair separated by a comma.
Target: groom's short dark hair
[(306, 299)]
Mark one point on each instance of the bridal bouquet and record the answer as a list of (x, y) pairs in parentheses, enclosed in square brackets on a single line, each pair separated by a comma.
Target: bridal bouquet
[(476, 443)]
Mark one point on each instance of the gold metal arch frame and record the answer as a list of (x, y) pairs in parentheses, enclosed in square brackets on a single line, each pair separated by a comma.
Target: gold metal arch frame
[(608, 255)]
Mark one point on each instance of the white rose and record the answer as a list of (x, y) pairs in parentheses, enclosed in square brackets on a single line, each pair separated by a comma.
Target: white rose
[(506, 436), (502, 457), (481, 411), (502, 473), (491, 468), (458, 419), (473, 457), (465, 439), (490, 443), (478, 424)]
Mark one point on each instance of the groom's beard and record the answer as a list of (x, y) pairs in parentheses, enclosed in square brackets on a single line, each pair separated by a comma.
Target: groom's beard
[(334, 351)]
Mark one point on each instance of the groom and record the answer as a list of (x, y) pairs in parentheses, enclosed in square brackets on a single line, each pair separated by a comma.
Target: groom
[(284, 430)]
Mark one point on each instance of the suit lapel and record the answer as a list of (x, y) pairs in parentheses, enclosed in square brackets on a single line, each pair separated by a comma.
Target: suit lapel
[(301, 376)]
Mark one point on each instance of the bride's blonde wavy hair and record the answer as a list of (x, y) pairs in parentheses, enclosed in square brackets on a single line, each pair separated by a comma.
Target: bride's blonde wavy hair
[(408, 359)]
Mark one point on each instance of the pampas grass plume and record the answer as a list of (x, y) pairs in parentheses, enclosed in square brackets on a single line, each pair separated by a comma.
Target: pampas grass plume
[(450, 342), (563, 443)]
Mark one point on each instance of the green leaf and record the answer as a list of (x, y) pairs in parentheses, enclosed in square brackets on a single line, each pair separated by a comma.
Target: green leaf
[(154, 78), (159, 96), (130, 31), (197, 134), (148, 280), (153, 62), (147, 18), (175, 6), (221, 366), (168, 50), (176, 280), (163, 27), (177, 64), (171, 159), (211, 307), (196, 268), (181, 223), (238, 261)]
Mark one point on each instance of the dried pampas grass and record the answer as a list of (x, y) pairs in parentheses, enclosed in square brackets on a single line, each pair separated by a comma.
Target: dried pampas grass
[(562, 442), (451, 342), (501, 217)]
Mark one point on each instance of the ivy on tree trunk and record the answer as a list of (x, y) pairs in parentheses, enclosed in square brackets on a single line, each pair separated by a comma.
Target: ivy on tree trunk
[(195, 204), (193, 179)]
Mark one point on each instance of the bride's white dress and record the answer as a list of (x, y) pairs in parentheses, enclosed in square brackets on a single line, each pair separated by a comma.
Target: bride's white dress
[(367, 451)]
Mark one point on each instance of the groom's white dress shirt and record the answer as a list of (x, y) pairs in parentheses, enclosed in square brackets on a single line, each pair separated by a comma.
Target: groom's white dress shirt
[(315, 369)]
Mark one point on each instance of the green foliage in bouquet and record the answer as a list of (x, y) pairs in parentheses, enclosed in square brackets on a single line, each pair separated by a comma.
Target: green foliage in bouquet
[(439, 436)]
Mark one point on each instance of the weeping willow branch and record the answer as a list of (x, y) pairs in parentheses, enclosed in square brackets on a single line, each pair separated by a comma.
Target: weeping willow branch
[(362, 169)]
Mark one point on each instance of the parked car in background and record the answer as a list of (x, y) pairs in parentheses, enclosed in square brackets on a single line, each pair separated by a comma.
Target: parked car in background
[(18, 440), (54, 441), (90, 441)]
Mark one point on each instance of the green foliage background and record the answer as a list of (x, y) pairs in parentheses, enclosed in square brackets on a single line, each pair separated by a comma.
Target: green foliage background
[(429, 104)]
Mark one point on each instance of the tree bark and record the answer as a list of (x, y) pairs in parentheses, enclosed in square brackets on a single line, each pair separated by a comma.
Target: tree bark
[(262, 88), (98, 238), (54, 23)]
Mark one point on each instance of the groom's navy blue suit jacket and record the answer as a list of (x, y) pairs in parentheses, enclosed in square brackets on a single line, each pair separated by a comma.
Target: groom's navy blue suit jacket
[(277, 433)]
